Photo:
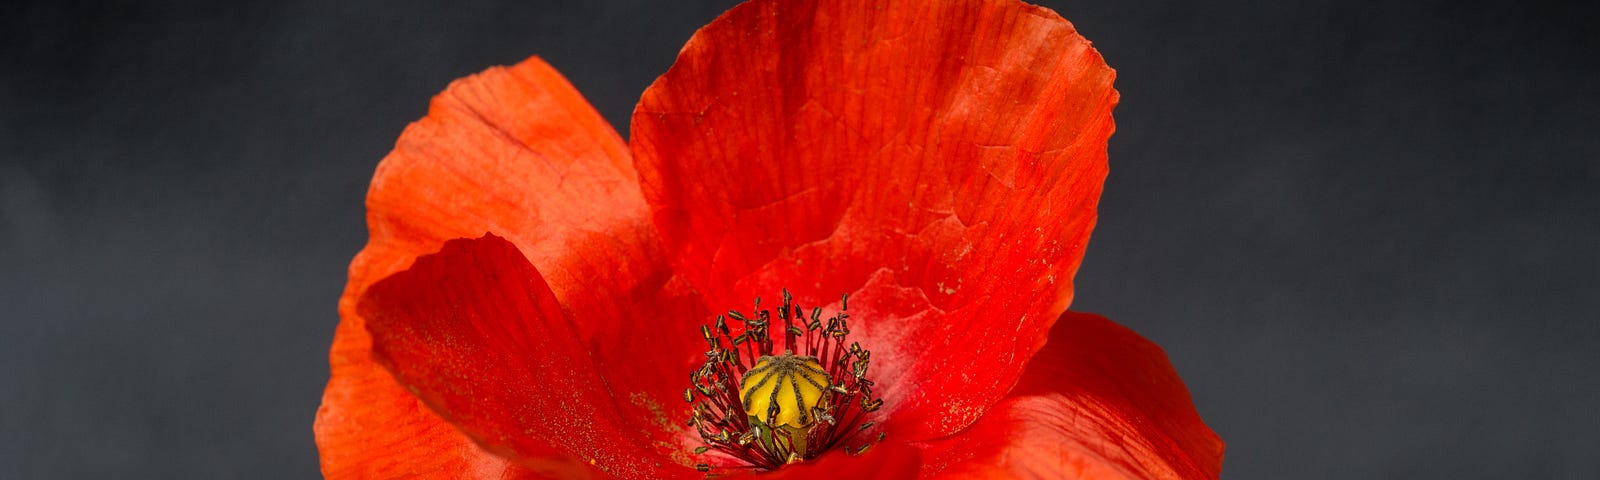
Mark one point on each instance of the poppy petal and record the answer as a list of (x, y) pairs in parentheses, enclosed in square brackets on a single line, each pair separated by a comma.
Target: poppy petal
[(1098, 401), (477, 335), (370, 427), (517, 151), (944, 156), (883, 461)]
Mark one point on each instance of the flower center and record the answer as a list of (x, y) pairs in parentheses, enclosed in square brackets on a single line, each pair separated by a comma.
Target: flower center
[(782, 390), (770, 410)]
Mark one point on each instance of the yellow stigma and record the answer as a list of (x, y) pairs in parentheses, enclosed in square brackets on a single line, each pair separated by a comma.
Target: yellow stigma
[(792, 383)]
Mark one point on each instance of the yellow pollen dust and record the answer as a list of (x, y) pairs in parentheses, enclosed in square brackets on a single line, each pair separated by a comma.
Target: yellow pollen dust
[(794, 382)]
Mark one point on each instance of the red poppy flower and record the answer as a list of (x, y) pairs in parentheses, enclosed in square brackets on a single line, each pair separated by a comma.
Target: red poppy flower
[(531, 300)]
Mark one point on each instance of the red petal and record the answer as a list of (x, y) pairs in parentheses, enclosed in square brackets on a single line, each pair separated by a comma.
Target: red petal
[(477, 335), (883, 461), (370, 427), (519, 152), (946, 156), (1098, 401)]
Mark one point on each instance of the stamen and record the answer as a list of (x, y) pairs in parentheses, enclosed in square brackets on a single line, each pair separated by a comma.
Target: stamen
[(770, 410)]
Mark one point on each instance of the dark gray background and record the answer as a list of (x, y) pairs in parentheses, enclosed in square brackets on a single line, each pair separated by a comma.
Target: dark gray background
[(1365, 231)]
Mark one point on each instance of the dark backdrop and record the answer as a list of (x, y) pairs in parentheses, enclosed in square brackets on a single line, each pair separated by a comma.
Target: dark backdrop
[(1364, 231)]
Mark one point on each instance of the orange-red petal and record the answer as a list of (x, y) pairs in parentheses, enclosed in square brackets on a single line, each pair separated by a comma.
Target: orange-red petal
[(369, 427), (476, 333), (516, 151), (941, 159), (1098, 401)]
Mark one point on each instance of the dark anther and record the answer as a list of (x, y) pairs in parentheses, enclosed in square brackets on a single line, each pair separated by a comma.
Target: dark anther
[(817, 349), (871, 406)]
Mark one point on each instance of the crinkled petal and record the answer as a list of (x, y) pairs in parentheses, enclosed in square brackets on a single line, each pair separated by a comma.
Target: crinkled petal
[(942, 160), (1099, 402)]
